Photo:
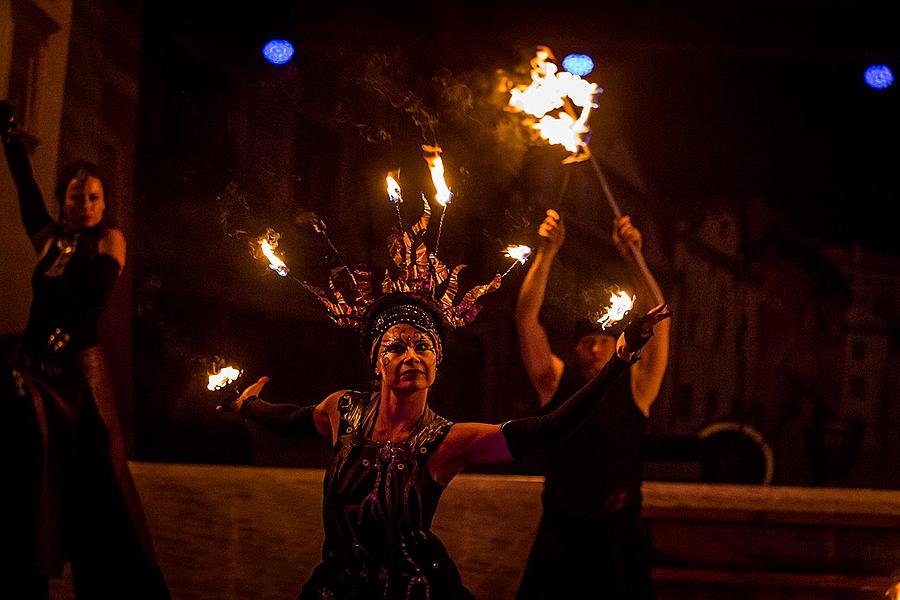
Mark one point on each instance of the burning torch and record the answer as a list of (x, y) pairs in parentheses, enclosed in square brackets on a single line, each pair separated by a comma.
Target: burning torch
[(620, 303), (442, 195), (893, 593), (266, 245), (394, 195), (551, 90), (520, 254), (222, 376)]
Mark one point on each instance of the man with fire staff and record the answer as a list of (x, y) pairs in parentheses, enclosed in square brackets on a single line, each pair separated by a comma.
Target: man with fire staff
[(590, 542)]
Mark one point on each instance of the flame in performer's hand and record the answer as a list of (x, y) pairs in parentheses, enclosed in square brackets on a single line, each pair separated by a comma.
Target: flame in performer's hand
[(519, 252), (267, 244), (222, 377), (393, 187), (547, 92), (619, 305), (443, 195), (893, 592)]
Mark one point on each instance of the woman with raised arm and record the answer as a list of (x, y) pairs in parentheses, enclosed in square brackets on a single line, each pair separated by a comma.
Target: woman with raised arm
[(393, 456), (71, 495)]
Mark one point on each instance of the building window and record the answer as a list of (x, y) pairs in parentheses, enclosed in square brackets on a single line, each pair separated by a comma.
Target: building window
[(857, 387), (858, 350)]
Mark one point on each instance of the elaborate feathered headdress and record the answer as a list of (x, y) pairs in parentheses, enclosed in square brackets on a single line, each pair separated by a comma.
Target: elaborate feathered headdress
[(417, 272)]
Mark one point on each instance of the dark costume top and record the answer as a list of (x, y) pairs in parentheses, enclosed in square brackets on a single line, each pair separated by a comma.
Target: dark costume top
[(73, 495), (70, 286), (379, 501), (590, 543), (596, 469)]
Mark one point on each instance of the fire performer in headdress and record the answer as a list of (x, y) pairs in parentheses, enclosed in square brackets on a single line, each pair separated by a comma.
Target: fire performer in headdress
[(392, 455), (590, 543), (68, 493)]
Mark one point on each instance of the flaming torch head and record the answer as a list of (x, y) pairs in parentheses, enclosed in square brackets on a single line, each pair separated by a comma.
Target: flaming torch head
[(443, 195), (549, 90), (267, 244), (519, 253), (619, 305), (223, 377), (393, 187)]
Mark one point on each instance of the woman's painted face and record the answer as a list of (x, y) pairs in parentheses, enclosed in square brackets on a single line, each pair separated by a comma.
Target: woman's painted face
[(84, 204), (407, 358)]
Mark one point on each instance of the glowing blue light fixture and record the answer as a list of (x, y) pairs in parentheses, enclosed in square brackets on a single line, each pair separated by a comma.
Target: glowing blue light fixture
[(278, 52), (879, 77), (578, 64)]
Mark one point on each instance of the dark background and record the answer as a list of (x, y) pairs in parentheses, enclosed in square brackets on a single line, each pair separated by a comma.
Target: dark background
[(706, 107)]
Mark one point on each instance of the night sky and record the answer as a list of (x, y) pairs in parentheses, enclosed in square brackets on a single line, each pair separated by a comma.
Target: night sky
[(709, 100)]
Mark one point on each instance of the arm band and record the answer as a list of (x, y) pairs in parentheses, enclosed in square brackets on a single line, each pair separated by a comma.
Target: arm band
[(524, 436), (288, 420)]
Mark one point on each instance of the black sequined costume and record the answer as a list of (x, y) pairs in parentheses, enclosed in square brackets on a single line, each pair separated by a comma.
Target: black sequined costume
[(379, 500)]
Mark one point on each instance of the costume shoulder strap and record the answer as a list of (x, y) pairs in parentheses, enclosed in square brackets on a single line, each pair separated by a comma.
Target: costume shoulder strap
[(352, 409), (433, 431)]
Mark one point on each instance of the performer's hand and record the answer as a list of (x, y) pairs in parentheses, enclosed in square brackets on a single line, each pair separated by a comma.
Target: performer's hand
[(252, 390), (624, 233), (639, 331), (552, 232), (7, 121)]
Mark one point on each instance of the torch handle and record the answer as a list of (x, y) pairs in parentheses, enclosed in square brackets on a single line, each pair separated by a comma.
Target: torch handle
[(635, 252), (638, 258), (604, 185)]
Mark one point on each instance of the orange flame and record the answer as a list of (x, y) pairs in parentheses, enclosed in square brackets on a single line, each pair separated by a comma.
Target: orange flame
[(443, 195), (520, 253), (619, 305), (267, 244), (893, 592), (393, 187), (548, 91), (222, 377)]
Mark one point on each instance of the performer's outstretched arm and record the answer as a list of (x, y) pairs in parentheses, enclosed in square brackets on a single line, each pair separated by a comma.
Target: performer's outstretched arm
[(472, 443), (289, 420)]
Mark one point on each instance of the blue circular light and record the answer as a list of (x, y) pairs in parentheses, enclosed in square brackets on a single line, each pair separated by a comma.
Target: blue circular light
[(879, 77), (578, 64), (278, 52)]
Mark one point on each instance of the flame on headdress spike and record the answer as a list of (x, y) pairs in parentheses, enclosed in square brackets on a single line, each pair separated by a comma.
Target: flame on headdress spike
[(442, 193), (416, 271)]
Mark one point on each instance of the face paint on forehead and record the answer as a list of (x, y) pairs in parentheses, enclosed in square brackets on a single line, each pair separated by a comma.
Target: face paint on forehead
[(393, 334), (419, 336), (408, 337)]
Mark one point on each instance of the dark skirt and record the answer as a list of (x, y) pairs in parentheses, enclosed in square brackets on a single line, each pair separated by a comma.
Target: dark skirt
[(71, 496), (581, 557)]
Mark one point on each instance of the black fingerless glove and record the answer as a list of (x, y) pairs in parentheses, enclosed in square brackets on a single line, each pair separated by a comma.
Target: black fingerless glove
[(288, 420), (638, 332)]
